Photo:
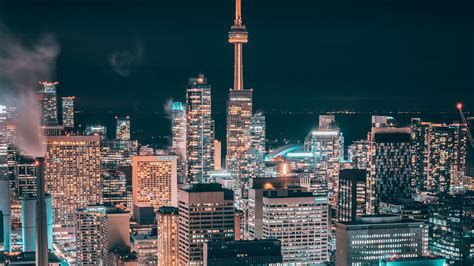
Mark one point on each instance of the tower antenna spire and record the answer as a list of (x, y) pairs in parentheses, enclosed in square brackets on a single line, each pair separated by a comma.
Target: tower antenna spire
[(238, 13)]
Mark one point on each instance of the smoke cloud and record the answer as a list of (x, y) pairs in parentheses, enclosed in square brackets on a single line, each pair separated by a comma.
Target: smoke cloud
[(21, 67), (123, 62), (167, 109)]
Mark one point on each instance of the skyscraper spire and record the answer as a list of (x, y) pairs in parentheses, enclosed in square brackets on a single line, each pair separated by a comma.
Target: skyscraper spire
[(238, 35), (238, 14)]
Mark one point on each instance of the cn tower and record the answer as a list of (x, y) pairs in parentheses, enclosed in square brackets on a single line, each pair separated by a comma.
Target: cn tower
[(239, 104)]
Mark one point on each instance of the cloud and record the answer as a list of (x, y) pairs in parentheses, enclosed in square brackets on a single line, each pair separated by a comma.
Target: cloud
[(21, 67), (123, 62)]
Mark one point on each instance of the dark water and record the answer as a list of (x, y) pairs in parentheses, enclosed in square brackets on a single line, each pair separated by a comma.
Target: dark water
[(154, 128)]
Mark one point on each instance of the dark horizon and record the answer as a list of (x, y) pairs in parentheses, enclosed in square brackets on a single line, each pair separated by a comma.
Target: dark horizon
[(365, 55)]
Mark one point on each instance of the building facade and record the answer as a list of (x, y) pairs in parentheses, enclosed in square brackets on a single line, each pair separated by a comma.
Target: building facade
[(68, 111), (167, 219), (206, 212), (72, 175), (352, 194), (200, 130), (154, 180)]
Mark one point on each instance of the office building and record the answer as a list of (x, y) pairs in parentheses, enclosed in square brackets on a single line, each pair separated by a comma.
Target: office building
[(439, 156), (25, 178), (72, 176), (200, 130), (167, 219), (154, 180), (390, 171), (114, 187), (68, 111), (49, 103), (358, 154), (206, 212), (239, 104), (100, 130), (300, 221), (178, 137), (145, 246), (371, 238), (115, 153), (327, 145), (352, 194), (99, 229), (451, 227), (123, 129), (243, 252)]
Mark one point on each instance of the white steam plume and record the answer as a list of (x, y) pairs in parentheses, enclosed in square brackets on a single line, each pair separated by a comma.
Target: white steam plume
[(21, 67), (123, 62)]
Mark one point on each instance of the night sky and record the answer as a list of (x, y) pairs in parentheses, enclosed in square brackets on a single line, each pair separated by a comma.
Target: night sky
[(301, 54)]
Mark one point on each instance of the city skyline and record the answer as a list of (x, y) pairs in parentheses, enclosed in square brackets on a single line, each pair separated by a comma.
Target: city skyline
[(349, 143)]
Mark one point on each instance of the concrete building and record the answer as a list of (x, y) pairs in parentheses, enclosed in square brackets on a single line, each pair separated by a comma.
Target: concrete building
[(72, 176), (371, 238), (47, 98), (155, 181), (99, 230), (167, 223), (206, 212), (123, 128), (352, 194), (114, 187), (28, 222)]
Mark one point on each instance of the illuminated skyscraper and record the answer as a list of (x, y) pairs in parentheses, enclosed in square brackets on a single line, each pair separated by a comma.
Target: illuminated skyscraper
[(25, 178), (327, 145), (115, 153), (390, 172), (68, 111), (114, 187), (239, 105), (100, 130), (439, 156), (206, 212), (154, 181), (352, 194), (72, 175), (49, 102), (200, 130), (122, 131), (167, 219), (358, 153), (217, 155), (100, 229), (178, 141)]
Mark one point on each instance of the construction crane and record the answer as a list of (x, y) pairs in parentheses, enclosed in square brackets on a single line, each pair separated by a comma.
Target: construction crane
[(459, 107)]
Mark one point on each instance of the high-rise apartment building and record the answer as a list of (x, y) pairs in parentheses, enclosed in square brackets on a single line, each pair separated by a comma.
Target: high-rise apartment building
[(451, 227), (72, 175), (154, 180), (352, 194), (439, 156), (68, 111), (100, 229), (49, 103), (25, 178), (114, 187), (200, 130), (371, 238), (389, 174), (167, 219), (206, 212), (123, 129), (239, 104)]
